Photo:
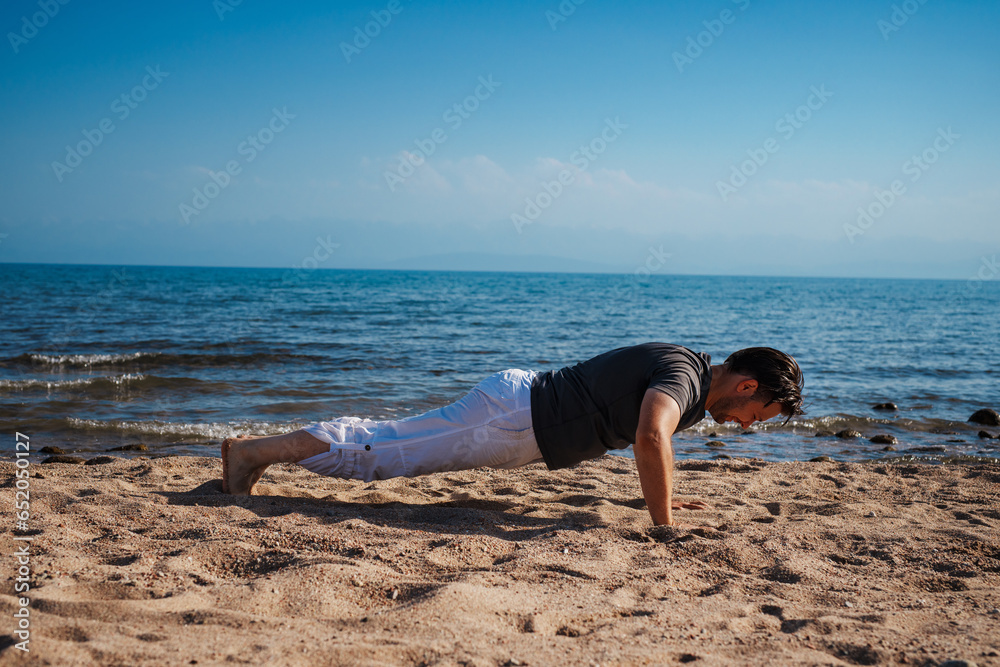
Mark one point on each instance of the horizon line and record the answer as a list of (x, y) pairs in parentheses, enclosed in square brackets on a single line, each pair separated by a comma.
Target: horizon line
[(531, 271)]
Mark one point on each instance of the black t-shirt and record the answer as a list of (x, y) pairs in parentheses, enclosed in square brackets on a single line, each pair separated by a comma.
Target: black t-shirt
[(582, 411)]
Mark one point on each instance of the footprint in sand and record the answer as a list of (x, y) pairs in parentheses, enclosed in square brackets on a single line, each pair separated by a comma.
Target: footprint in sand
[(974, 520), (781, 574), (788, 625), (830, 478), (68, 634), (121, 561), (847, 560)]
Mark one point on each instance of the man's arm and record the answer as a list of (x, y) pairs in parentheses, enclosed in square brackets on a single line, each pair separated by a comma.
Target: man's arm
[(654, 453)]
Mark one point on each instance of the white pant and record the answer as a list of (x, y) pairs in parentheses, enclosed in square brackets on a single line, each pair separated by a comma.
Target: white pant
[(490, 426)]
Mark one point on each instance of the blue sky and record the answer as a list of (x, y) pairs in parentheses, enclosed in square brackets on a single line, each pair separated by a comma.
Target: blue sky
[(672, 137)]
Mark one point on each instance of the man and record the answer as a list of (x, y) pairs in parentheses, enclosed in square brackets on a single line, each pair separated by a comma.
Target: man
[(639, 395)]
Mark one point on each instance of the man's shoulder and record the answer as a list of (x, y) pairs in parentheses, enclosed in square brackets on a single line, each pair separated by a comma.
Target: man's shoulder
[(655, 348), (648, 359), (642, 357)]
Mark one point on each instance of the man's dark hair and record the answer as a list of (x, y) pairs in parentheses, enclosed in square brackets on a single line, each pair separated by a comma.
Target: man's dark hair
[(779, 378)]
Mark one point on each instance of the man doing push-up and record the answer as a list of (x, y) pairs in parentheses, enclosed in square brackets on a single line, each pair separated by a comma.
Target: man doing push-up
[(639, 395)]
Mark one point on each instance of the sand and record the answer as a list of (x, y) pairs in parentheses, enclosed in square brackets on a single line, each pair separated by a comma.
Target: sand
[(146, 562)]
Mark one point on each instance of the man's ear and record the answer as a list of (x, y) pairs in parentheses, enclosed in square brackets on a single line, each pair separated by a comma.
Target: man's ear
[(747, 386)]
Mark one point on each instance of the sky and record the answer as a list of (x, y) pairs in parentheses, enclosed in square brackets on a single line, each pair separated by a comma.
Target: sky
[(736, 137)]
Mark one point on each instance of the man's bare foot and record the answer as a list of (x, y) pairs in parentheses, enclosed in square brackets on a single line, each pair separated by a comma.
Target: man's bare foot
[(240, 468), (245, 459)]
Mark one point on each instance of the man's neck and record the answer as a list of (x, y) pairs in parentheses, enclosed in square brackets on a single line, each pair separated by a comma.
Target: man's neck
[(715, 389)]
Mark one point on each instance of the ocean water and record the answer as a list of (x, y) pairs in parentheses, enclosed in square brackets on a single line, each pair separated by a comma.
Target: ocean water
[(96, 357)]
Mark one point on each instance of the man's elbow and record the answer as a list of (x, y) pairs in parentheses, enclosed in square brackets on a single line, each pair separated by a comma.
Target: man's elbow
[(654, 442)]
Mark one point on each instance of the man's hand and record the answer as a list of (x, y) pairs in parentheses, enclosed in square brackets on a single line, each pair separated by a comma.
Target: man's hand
[(654, 453)]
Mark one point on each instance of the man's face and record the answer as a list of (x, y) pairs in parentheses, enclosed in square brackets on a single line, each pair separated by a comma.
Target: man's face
[(743, 410)]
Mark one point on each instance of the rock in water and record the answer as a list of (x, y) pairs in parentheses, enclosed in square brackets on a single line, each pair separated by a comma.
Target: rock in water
[(884, 439), (715, 443), (986, 417), (885, 406), (821, 459), (129, 448), (930, 448), (848, 433), (824, 434), (52, 450), (985, 435)]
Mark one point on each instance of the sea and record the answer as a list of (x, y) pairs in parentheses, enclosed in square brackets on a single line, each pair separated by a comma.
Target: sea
[(99, 358)]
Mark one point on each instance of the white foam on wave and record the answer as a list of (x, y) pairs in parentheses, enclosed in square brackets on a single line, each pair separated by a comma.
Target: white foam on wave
[(708, 425), (212, 431), (119, 380), (88, 359)]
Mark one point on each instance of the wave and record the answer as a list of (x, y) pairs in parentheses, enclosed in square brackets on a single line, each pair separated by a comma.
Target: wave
[(210, 430), (85, 360), (98, 385), (148, 360), (965, 459), (834, 423), (893, 372), (113, 381)]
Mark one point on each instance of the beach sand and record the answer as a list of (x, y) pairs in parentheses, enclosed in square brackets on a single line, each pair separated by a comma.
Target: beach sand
[(146, 562)]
